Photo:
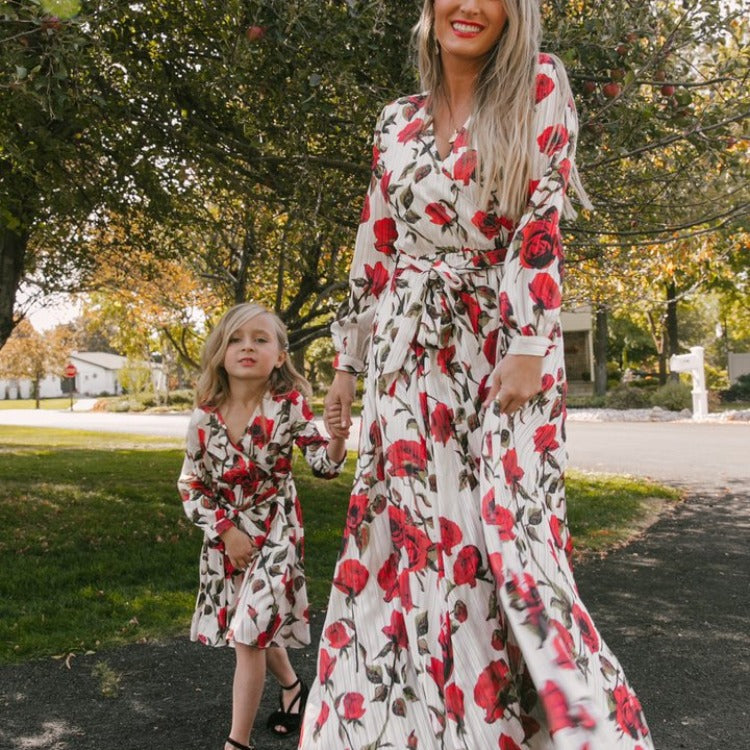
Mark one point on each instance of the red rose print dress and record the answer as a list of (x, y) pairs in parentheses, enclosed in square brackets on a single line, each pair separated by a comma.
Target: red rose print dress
[(454, 621), (249, 484)]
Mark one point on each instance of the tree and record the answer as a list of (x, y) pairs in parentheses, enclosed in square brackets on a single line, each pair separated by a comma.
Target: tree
[(242, 143), (71, 141), (662, 102), (30, 354)]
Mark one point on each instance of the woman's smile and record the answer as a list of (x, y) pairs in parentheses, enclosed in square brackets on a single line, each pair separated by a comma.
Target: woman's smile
[(466, 29)]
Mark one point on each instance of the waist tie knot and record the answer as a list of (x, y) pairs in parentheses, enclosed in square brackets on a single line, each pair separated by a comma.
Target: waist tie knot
[(437, 297)]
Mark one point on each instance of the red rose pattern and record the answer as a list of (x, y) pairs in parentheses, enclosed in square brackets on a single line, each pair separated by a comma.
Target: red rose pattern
[(441, 423), (628, 712), (458, 514), (491, 690), (545, 292), (351, 577), (439, 214)]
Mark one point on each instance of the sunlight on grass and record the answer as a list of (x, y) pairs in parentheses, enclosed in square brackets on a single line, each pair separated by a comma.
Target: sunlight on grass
[(96, 551), (51, 437), (57, 404)]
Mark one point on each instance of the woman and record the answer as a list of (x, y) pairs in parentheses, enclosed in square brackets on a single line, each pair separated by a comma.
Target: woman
[(454, 620)]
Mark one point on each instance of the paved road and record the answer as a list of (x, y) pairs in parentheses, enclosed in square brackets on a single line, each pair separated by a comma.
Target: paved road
[(700, 455), (705, 456)]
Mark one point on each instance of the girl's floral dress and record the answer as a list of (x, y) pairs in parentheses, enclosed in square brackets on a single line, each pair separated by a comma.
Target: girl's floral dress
[(454, 621), (249, 484)]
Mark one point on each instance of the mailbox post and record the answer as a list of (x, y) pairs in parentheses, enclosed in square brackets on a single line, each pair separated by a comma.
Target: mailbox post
[(693, 363)]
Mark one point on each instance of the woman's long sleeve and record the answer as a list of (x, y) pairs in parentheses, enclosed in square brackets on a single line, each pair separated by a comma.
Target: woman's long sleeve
[(372, 266), (530, 297)]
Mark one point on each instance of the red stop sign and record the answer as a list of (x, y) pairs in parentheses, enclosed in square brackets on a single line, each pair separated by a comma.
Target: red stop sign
[(70, 371)]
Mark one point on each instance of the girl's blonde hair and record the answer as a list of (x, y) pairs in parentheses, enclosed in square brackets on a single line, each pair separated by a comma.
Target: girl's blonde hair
[(502, 126), (212, 388)]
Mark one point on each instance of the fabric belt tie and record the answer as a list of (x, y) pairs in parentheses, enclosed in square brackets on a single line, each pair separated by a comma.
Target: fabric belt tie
[(433, 285)]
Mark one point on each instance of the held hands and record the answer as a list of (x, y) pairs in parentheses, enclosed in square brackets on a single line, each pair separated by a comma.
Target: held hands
[(515, 379), (337, 414), (240, 548)]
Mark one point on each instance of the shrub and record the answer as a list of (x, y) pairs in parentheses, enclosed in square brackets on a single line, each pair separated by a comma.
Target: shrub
[(673, 396), (627, 397), (716, 379), (184, 397), (739, 390), (586, 402)]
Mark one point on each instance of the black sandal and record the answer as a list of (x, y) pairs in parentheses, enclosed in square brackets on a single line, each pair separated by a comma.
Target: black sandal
[(239, 745), (290, 721)]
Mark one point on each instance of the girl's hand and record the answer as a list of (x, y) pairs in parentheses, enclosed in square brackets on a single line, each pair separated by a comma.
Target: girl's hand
[(338, 404), (337, 449), (240, 548), (516, 379)]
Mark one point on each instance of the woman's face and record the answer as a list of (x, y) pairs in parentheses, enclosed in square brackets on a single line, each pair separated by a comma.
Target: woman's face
[(469, 29)]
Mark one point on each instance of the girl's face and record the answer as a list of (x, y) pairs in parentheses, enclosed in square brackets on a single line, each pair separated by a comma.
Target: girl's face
[(253, 351), (469, 29)]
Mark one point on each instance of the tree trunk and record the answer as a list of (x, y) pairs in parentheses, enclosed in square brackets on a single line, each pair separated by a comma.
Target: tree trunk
[(12, 255), (298, 359), (663, 366), (671, 326), (600, 352)]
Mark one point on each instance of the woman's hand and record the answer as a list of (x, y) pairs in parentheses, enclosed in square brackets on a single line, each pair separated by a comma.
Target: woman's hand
[(337, 413), (516, 379), (240, 548)]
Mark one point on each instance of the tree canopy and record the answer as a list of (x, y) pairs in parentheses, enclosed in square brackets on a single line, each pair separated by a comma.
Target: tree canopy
[(231, 139)]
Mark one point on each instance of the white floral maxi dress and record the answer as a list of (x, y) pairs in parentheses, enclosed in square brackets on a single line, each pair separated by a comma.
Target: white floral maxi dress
[(454, 621), (249, 484)]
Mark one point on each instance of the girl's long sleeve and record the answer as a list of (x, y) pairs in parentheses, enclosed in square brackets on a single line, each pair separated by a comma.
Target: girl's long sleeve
[(372, 265), (200, 501), (530, 297), (312, 444)]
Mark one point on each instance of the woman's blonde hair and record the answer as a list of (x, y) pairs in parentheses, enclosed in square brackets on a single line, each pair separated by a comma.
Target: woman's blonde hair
[(212, 388), (502, 126)]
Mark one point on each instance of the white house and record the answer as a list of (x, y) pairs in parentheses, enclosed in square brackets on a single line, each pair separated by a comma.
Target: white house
[(579, 343), (97, 375)]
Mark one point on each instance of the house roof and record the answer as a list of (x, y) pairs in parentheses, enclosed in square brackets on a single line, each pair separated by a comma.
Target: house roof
[(105, 360)]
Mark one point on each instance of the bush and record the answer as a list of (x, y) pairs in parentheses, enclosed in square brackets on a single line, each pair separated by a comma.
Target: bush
[(184, 397), (586, 402), (738, 391), (613, 371), (673, 397), (627, 397), (716, 379)]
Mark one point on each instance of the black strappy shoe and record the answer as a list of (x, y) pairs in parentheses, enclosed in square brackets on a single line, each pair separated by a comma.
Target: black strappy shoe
[(239, 745), (290, 721)]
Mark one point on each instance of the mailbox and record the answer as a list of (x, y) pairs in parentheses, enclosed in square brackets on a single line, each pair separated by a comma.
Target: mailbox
[(693, 363)]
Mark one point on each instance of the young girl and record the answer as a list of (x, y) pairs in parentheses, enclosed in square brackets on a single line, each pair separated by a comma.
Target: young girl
[(236, 485)]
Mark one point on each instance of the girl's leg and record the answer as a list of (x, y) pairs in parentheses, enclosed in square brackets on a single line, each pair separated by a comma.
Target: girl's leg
[(281, 668), (247, 689)]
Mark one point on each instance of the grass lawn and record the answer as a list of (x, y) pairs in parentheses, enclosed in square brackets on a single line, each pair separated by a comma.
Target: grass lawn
[(30, 403), (95, 549)]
